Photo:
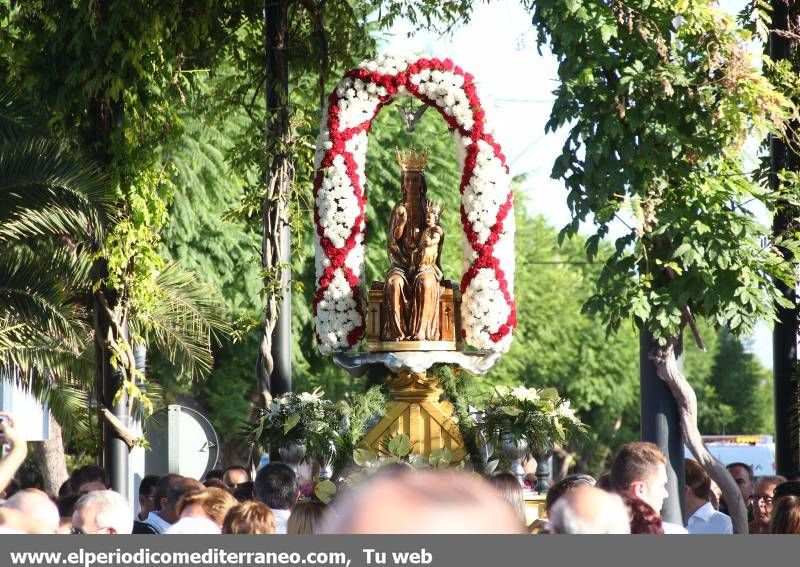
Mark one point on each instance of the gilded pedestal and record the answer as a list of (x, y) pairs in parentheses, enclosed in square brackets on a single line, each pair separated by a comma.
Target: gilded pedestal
[(418, 413)]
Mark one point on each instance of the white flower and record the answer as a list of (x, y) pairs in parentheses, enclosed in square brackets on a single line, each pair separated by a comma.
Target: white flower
[(484, 307), (309, 397), (525, 394), (563, 410)]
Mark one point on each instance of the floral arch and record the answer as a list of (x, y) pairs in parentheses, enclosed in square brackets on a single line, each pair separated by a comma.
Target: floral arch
[(487, 206)]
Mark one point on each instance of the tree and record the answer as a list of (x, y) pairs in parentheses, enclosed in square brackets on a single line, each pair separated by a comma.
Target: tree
[(658, 109), (54, 212), (123, 67), (744, 385)]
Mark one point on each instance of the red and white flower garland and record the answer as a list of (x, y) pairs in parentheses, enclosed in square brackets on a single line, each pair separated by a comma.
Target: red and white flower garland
[(487, 206)]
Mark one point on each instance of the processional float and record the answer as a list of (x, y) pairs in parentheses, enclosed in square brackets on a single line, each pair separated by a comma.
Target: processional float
[(415, 318)]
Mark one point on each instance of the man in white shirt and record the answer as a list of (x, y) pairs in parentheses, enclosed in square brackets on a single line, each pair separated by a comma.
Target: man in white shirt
[(276, 486), (701, 517), (169, 490)]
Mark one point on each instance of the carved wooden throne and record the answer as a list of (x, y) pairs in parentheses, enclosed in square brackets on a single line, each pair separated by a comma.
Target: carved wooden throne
[(417, 411), (449, 322)]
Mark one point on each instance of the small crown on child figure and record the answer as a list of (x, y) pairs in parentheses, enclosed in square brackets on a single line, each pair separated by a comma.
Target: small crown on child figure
[(434, 207), (412, 159)]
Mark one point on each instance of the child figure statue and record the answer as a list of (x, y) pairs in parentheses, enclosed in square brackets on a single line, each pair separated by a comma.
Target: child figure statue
[(424, 324)]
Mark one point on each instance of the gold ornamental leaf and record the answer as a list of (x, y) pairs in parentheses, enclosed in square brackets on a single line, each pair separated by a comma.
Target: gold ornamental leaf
[(400, 445), (325, 490), (363, 456)]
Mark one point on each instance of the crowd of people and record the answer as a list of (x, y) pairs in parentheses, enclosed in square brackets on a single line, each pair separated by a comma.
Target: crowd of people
[(397, 499)]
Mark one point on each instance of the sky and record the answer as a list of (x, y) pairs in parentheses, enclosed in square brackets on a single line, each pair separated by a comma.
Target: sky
[(515, 83)]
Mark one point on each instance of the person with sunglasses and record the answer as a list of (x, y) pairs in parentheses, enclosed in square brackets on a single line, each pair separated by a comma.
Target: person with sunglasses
[(763, 494)]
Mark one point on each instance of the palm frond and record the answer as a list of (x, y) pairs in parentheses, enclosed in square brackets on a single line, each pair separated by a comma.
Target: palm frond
[(32, 293), (44, 190), (18, 117), (185, 320)]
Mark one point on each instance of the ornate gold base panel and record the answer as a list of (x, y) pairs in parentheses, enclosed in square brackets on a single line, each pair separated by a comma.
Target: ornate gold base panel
[(419, 414)]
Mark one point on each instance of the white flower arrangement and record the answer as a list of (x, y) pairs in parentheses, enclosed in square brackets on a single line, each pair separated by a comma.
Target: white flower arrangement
[(539, 417), (488, 309)]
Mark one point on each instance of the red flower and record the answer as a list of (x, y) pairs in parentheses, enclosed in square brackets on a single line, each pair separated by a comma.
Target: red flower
[(485, 252)]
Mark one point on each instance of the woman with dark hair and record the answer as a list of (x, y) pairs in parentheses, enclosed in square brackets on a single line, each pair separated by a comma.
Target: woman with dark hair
[(644, 520), (785, 516)]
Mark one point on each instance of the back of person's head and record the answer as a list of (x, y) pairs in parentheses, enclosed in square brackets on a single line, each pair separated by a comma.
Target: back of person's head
[(788, 488), (66, 505), (30, 477), (183, 486), (509, 488), (163, 486), (745, 466), (403, 500), (769, 479), (214, 473), (785, 516), (35, 505), (212, 503), (636, 461), (604, 481), (564, 485), (251, 517), (88, 478), (276, 486), (65, 489), (103, 510), (178, 488), (643, 519), (306, 517), (244, 491), (589, 510), (697, 479)]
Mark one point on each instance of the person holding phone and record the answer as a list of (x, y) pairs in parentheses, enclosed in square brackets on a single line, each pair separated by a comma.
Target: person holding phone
[(15, 453)]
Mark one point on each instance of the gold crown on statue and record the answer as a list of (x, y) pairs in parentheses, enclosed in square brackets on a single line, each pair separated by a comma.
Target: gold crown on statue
[(412, 159), (434, 207)]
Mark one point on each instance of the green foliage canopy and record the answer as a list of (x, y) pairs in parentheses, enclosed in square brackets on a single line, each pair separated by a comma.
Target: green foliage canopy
[(659, 97)]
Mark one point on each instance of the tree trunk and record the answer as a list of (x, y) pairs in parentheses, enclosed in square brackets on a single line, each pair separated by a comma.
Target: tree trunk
[(667, 369), (51, 460)]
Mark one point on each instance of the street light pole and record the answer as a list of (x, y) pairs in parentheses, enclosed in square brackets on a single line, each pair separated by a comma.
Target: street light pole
[(784, 334)]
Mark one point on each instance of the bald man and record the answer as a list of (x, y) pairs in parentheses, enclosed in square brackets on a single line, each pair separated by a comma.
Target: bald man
[(404, 501), (589, 510), (33, 507)]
